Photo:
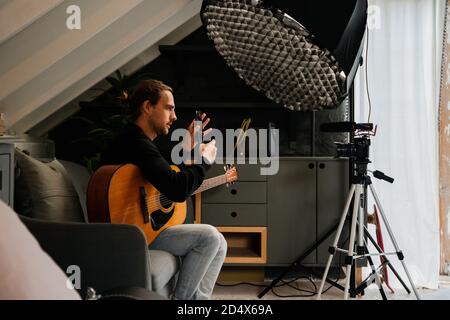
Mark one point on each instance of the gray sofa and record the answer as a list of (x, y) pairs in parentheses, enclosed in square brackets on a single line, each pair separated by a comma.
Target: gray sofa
[(107, 256), (162, 266), (111, 255)]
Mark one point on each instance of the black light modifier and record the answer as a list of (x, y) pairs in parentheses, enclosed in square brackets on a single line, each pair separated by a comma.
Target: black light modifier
[(306, 66)]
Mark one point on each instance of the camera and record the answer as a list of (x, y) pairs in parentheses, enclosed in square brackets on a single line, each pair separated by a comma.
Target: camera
[(358, 150)]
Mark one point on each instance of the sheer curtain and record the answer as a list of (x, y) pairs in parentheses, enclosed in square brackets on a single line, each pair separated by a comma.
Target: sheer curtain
[(404, 56)]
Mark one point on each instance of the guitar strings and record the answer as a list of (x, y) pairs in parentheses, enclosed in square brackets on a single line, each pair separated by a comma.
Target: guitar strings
[(165, 201)]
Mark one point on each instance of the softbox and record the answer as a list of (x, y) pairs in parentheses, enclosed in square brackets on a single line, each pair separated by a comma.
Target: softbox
[(302, 54)]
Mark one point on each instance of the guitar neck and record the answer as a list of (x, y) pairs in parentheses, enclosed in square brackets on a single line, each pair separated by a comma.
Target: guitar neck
[(211, 183)]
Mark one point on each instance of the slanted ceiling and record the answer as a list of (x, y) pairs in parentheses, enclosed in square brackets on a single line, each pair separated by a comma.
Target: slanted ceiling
[(46, 69)]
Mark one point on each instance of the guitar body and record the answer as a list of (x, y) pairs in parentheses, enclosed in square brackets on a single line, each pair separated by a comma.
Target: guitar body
[(120, 194)]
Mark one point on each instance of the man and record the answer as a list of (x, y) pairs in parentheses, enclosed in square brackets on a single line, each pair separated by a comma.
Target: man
[(202, 247)]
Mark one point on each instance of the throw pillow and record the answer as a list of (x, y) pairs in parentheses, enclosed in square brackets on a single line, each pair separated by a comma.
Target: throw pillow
[(43, 190)]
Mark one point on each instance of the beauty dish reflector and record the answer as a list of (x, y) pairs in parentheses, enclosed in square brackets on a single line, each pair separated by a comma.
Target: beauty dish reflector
[(275, 53)]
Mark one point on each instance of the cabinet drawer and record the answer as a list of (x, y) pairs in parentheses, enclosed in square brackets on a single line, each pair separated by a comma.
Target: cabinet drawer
[(246, 172), (239, 192), (242, 215)]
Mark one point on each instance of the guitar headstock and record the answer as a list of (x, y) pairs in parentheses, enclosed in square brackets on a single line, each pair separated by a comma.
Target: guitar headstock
[(230, 173)]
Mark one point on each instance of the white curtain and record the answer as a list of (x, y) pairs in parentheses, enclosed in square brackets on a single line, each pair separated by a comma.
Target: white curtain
[(404, 57)]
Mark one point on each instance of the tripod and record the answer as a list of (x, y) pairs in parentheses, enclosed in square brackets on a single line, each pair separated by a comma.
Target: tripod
[(358, 192), (358, 151)]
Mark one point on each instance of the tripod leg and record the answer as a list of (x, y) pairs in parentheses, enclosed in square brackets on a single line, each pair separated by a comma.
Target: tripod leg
[(373, 277), (350, 253), (375, 244), (297, 263), (336, 238), (377, 279), (375, 272), (391, 235)]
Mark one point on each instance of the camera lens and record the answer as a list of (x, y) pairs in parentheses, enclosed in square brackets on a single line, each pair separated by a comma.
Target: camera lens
[(345, 150)]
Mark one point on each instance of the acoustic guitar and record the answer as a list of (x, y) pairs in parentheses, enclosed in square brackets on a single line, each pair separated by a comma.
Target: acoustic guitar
[(120, 194)]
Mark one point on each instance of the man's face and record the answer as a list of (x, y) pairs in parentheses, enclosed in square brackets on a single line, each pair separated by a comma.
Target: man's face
[(163, 114)]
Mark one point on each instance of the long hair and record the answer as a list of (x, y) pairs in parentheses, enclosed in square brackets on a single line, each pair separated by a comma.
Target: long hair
[(147, 90)]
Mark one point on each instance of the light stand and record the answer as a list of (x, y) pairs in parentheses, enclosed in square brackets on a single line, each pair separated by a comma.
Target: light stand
[(298, 262)]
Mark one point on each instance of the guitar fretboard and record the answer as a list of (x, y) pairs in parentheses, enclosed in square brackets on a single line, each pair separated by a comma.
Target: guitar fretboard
[(211, 183)]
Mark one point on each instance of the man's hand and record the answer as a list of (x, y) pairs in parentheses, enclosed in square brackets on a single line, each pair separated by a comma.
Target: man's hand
[(209, 151), (194, 130)]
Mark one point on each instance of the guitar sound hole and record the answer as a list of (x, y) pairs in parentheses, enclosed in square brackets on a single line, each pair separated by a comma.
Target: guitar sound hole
[(234, 214)]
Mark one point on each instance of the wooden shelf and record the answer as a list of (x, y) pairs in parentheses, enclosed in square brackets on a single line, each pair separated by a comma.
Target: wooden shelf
[(245, 244), (254, 252)]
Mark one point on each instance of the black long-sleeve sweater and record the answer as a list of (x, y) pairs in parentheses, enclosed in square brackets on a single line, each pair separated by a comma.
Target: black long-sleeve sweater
[(133, 146)]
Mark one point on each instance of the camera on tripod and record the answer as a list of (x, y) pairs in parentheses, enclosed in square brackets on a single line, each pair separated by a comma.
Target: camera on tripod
[(358, 153), (358, 150)]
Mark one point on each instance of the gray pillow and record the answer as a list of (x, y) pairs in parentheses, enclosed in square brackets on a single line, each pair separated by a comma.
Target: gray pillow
[(79, 175), (43, 190)]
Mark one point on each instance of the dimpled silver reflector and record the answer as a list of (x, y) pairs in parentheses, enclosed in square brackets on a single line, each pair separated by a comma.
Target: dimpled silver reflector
[(274, 54)]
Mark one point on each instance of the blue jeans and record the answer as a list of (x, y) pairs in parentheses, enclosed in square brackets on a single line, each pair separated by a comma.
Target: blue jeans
[(202, 249)]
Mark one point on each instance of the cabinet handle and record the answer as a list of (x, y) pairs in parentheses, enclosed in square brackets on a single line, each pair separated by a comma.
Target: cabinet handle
[(233, 191), (311, 166), (322, 166), (234, 214)]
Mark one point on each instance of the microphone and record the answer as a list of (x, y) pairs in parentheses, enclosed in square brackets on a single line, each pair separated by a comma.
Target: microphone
[(345, 126), (338, 127)]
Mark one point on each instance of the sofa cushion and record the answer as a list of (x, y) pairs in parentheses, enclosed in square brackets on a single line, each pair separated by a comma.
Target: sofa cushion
[(43, 190), (79, 175)]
